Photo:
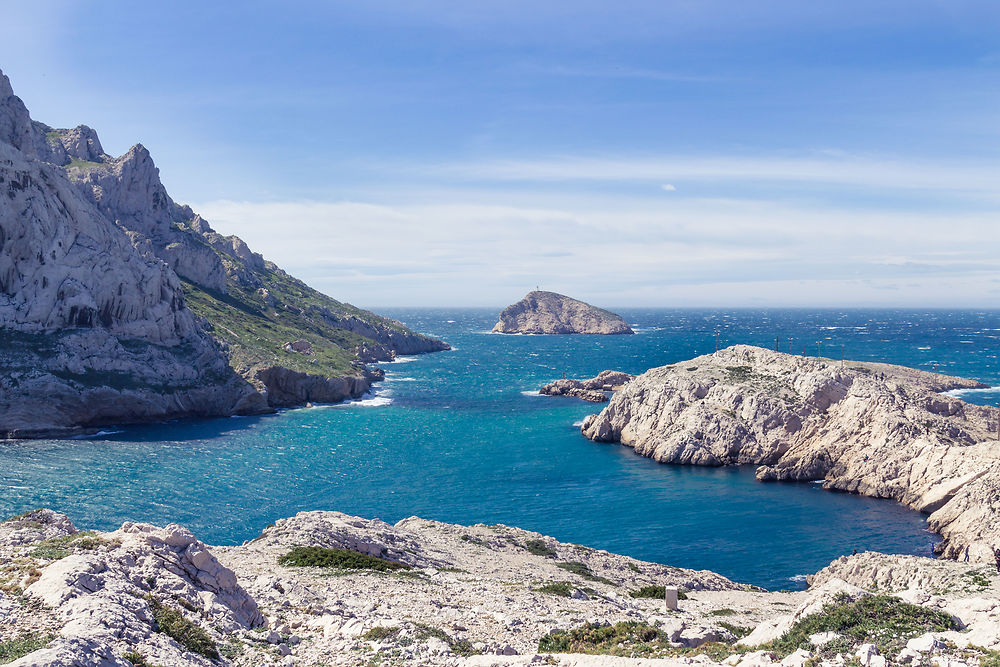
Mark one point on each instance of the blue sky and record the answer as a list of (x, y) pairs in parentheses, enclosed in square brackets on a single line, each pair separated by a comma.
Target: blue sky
[(628, 153)]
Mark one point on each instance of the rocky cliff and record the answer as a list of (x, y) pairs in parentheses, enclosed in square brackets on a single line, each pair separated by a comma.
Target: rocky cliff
[(428, 593), (551, 313), (874, 429), (119, 305)]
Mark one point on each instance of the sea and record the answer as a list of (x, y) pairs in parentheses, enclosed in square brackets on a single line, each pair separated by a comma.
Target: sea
[(464, 437)]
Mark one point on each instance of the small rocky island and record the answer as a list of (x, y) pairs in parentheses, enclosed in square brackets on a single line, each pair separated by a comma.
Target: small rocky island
[(550, 313), (592, 390), (874, 429)]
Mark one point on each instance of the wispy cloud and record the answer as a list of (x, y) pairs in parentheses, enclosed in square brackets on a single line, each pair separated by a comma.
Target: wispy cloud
[(672, 253), (826, 167)]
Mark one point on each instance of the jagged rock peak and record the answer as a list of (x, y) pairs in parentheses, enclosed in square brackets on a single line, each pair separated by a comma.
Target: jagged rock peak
[(5, 88), (542, 312)]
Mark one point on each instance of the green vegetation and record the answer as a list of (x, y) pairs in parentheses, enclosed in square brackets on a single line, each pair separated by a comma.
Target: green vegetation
[(340, 559), (83, 165), (60, 547), (471, 539), (256, 325), (725, 611), (739, 373), (627, 639), (977, 579), (738, 631), (461, 647), (539, 548), (379, 633), (561, 588), (172, 623), (883, 620), (658, 592), (12, 649), (581, 569), (634, 567)]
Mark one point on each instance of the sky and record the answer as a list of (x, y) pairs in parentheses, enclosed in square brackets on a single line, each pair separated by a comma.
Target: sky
[(659, 153)]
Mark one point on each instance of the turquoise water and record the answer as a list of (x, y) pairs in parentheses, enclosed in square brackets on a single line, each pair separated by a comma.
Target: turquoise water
[(462, 437)]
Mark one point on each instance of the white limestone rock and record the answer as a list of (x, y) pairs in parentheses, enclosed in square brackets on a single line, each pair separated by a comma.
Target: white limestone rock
[(550, 313)]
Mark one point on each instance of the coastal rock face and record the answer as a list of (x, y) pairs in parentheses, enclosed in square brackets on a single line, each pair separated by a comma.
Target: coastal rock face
[(588, 390), (873, 429), (471, 595), (551, 313), (118, 305)]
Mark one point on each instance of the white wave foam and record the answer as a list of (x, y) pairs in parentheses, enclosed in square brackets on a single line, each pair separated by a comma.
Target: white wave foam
[(400, 360), (99, 434), (369, 401), (534, 392), (798, 577), (924, 348), (450, 321), (396, 378), (958, 393), (578, 424)]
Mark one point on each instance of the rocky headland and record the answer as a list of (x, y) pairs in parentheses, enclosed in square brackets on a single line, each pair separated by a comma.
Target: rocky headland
[(325, 588), (550, 313), (874, 429), (119, 305), (592, 389)]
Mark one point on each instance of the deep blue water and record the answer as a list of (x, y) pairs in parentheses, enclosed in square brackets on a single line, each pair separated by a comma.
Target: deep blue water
[(460, 436)]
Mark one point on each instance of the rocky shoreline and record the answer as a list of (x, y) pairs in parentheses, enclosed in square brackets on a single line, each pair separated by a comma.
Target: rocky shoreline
[(873, 429), (592, 389), (428, 593)]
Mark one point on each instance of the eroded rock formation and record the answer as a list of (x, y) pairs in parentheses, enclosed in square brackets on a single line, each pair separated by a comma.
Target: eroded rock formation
[(592, 390), (873, 429)]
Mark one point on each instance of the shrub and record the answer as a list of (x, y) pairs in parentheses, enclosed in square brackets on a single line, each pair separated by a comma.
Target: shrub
[(581, 569), (883, 620), (341, 559), (659, 592), (560, 588), (539, 548), (172, 623), (379, 632), (627, 638)]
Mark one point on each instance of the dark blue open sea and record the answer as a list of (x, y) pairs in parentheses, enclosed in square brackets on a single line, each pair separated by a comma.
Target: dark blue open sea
[(463, 437)]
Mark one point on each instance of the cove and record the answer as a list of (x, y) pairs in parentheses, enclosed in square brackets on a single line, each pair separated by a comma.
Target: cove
[(462, 437)]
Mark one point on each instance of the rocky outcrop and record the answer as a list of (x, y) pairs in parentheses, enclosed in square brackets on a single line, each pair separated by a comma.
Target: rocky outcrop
[(471, 595), (93, 328), (551, 313), (118, 305), (592, 390), (874, 429), (286, 388)]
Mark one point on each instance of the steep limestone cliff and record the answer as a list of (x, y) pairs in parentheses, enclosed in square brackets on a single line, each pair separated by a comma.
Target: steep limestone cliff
[(119, 305), (550, 313), (873, 429)]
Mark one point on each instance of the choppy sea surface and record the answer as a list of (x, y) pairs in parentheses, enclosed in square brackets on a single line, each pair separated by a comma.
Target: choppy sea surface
[(463, 437)]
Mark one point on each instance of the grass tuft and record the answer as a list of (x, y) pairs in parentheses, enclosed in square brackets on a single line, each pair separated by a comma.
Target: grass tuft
[(172, 623)]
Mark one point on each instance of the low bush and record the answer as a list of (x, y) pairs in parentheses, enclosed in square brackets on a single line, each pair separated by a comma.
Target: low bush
[(539, 548), (883, 620), (12, 649), (171, 622), (654, 591), (341, 559)]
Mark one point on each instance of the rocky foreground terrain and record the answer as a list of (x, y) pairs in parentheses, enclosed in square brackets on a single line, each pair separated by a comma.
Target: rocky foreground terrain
[(119, 305), (428, 593), (550, 313), (874, 429)]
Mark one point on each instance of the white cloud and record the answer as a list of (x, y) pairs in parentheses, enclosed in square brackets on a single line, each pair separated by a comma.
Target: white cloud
[(668, 187), (617, 251)]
